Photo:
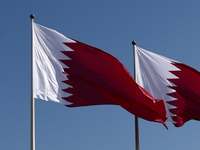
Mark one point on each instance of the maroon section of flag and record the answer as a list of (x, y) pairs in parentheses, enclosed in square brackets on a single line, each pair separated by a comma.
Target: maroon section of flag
[(187, 87), (97, 78)]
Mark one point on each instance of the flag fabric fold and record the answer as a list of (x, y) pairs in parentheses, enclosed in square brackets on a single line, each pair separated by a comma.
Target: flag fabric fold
[(76, 74), (174, 82)]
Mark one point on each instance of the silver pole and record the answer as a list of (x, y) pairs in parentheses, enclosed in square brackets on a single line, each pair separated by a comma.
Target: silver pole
[(32, 98), (136, 117)]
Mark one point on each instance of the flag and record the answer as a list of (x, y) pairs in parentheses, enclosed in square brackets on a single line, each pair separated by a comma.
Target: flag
[(174, 82), (75, 74)]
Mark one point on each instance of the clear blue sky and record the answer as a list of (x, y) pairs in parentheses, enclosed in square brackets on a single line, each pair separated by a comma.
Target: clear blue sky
[(169, 28)]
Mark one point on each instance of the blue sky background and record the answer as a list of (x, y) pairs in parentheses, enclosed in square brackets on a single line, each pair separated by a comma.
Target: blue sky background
[(170, 28)]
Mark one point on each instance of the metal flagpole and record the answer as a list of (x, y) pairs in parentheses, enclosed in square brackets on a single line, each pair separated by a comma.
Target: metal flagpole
[(32, 98), (136, 117)]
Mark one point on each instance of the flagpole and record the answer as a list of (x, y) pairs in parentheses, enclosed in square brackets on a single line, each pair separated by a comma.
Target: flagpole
[(32, 98), (136, 117)]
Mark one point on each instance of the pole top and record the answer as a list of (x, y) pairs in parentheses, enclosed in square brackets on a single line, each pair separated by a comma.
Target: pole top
[(134, 42), (32, 16)]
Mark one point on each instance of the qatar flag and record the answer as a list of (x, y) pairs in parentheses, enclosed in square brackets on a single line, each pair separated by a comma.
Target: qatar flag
[(174, 82), (75, 74)]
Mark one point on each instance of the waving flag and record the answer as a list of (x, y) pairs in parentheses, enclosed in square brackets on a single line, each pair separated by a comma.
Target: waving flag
[(176, 83), (76, 74)]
